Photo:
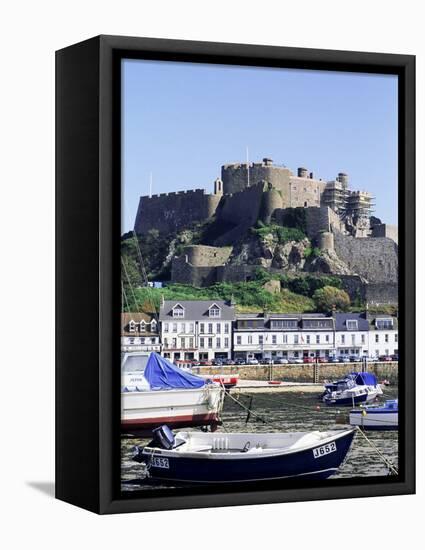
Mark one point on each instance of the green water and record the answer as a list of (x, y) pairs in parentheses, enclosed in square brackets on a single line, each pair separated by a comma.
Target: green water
[(288, 412)]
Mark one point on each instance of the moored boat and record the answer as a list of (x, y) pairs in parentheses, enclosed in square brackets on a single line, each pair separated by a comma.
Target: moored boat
[(384, 417), (355, 388), (195, 457), (163, 393)]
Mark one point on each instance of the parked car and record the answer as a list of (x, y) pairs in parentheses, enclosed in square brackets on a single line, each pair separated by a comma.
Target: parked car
[(308, 359), (395, 357), (296, 361), (240, 361), (343, 359), (332, 359), (252, 362), (230, 362), (281, 361), (385, 358), (322, 359), (355, 359), (205, 363), (267, 362)]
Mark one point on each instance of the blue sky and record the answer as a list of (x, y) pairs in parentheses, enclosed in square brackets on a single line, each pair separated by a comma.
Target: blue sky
[(182, 121)]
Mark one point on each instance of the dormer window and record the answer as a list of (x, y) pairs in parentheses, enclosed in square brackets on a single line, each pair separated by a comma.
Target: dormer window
[(153, 325), (142, 326), (214, 311), (178, 311), (352, 324), (131, 326), (384, 323)]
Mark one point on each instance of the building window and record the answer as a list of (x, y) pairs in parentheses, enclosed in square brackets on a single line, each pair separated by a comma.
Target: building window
[(317, 338), (174, 343), (210, 344), (153, 325), (174, 327), (261, 339), (183, 342), (191, 342), (308, 338), (201, 328), (131, 326), (377, 338), (384, 323), (327, 338), (131, 340), (296, 339), (218, 343), (178, 311), (363, 337), (249, 339), (285, 338), (395, 338), (218, 328), (214, 311), (226, 342), (183, 328), (352, 324), (166, 327), (210, 328), (353, 339), (274, 339), (191, 327), (201, 342), (165, 342), (342, 338), (386, 339), (226, 328), (238, 340)]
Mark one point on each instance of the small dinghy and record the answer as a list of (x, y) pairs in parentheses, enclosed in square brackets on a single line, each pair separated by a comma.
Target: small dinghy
[(376, 418), (194, 457), (356, 387)]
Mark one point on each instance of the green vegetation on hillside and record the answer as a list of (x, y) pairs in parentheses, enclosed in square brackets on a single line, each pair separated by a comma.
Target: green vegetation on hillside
[(281, 234)]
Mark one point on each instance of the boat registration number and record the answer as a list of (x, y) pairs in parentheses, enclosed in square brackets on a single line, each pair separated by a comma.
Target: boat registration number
[(159, 462), (324, 450)]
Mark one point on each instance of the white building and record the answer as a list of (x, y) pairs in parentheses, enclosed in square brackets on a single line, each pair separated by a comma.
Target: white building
[(383, 335), (269, 336), (196, 329), (139, 332), (352, 335)]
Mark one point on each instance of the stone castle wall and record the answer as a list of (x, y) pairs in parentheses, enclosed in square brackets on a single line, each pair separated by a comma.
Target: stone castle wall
[(235, 177), (375, 259), (242, 207), (170, 212)]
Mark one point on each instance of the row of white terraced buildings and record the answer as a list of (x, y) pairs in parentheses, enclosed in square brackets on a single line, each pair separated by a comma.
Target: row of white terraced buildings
[(201, 330)]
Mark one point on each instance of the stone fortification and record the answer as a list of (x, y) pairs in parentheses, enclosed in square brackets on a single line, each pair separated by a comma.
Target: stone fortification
[(198, 264), (375, 259), (171, 212)]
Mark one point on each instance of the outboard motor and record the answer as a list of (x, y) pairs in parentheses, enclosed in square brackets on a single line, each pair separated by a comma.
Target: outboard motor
[(163, 437)]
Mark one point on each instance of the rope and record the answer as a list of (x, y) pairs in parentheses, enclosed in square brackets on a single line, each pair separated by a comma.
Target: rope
[(389, 465)]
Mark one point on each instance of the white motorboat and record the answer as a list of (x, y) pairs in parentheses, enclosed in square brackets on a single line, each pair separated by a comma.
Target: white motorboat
[(384, 417), (162, 393)]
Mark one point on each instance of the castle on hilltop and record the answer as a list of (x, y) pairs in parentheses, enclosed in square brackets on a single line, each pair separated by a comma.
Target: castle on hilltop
[(337, 221), (247, 192)]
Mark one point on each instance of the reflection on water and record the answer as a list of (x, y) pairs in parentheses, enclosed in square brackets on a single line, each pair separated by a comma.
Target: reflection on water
[(285, 412)]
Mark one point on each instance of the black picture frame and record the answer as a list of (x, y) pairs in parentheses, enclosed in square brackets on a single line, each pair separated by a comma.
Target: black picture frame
[(88, 270)]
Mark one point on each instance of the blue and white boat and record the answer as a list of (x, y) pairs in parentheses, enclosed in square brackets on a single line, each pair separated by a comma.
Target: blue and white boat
[(195, 457), (355, 388), (384, 417)]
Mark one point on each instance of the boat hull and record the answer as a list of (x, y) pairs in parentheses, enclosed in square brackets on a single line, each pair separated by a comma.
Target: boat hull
[(143, 411), (380, 420), (305, 463), (365, 396)]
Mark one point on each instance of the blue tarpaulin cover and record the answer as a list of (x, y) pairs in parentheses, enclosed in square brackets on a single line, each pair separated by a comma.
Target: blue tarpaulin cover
[(163, 375), (365, 379)]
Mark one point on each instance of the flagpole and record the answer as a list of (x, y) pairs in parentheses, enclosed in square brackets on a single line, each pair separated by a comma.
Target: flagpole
[(247, 163), (150, 184)]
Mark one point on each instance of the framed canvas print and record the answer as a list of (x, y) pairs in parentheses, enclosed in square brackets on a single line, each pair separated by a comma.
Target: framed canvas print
[(235, 274)]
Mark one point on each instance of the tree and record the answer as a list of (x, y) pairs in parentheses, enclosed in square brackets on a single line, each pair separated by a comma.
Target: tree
[(328, 297)]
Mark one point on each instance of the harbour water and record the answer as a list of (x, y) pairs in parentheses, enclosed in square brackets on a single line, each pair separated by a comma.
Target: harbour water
[(285, 412)]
